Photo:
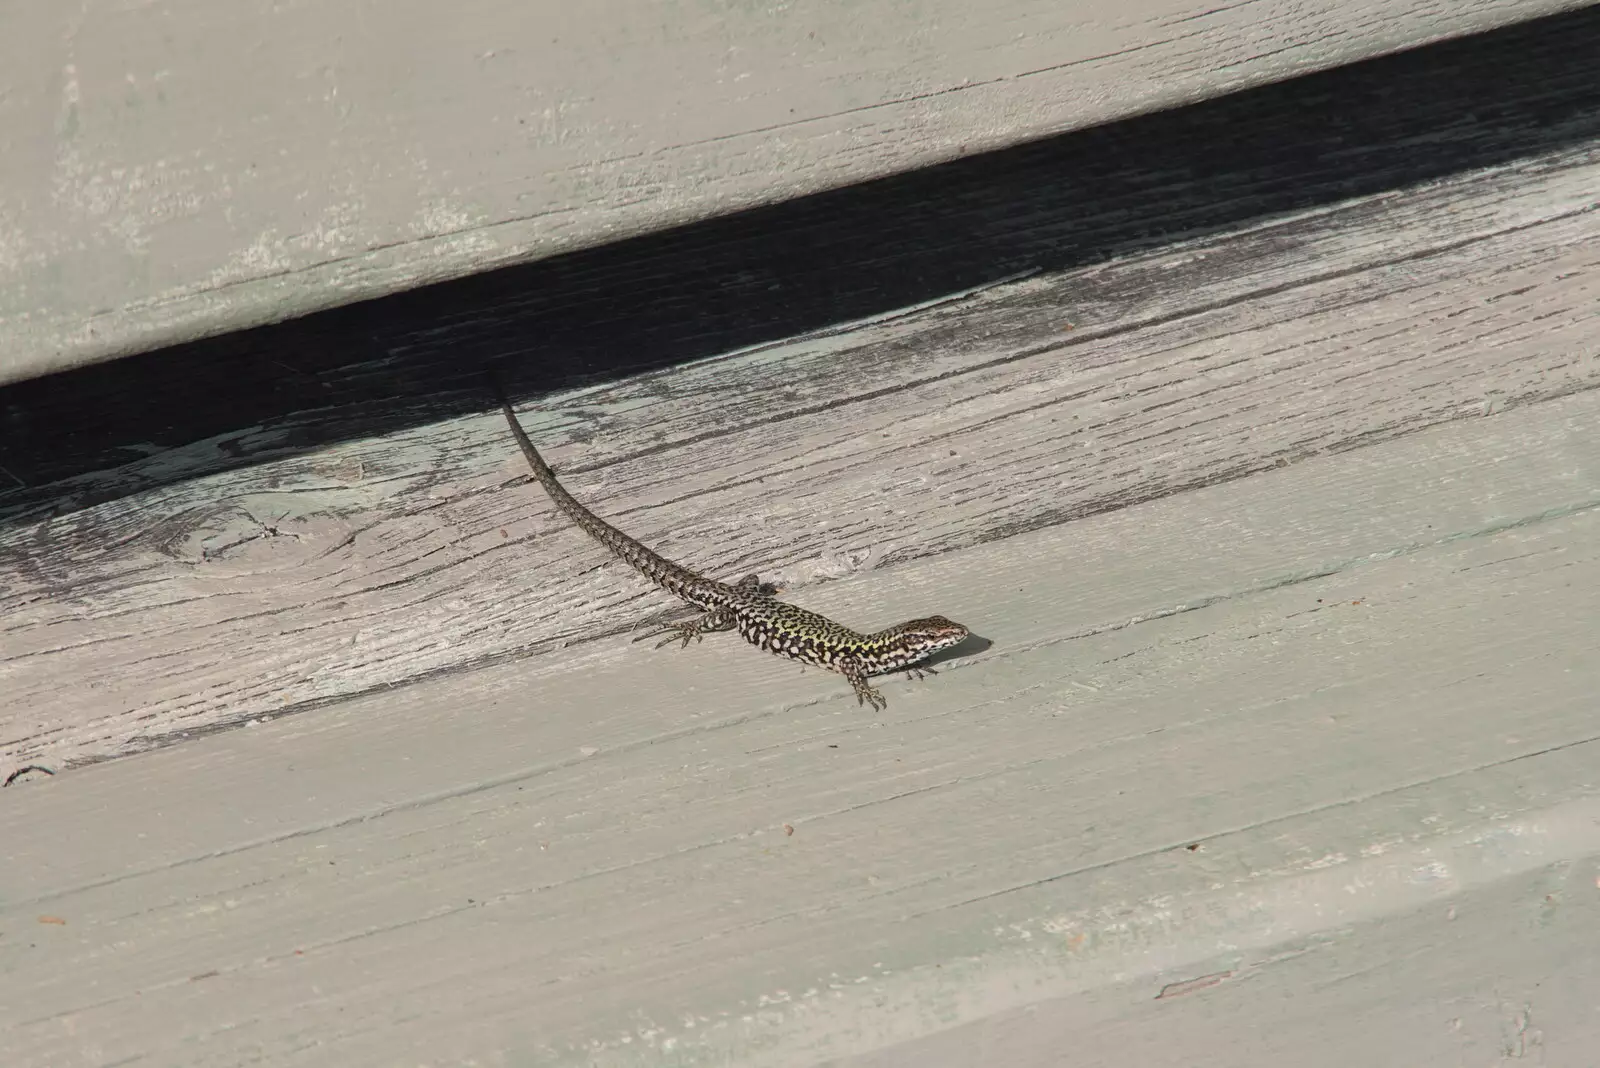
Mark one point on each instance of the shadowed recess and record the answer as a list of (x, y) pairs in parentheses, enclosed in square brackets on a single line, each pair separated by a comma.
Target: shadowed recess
[(775, 272)]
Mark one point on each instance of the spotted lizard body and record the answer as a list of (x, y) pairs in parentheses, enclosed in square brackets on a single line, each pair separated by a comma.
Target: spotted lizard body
[(749, 606)]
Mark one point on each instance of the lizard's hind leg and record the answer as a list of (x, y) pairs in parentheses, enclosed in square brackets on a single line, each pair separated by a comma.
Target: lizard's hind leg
[(696, 628), (752, 584), (693, 629)]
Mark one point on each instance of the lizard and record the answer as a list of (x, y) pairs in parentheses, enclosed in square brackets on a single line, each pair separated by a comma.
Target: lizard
[(751, 607)]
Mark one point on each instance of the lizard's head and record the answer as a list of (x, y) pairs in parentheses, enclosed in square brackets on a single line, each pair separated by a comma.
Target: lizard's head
[(918, 639)]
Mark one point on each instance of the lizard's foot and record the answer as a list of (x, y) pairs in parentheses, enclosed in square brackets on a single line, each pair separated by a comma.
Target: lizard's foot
[(865, 695), (693, 629), (676, 632)]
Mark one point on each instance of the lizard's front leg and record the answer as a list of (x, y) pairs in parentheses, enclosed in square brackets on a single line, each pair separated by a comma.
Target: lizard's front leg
[(865, 694)]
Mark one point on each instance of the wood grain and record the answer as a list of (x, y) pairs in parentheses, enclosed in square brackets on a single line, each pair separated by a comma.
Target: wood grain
[(1056, 396)]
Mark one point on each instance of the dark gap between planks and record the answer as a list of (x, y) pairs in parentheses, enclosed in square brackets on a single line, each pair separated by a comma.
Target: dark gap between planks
[(770, 273)]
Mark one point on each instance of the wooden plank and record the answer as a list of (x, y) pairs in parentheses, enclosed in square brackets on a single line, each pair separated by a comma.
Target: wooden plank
[(181, 168), (1215, 732), (366, 565), (1517, 982)]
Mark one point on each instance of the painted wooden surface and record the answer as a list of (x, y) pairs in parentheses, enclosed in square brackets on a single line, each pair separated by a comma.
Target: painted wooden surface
[(180, 168), (1270, 480), (1216, 734), (1503, 974)]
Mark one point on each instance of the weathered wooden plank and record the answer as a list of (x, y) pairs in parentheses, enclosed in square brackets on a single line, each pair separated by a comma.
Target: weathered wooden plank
[(1059, 395), (184, 167), (1359, 686)]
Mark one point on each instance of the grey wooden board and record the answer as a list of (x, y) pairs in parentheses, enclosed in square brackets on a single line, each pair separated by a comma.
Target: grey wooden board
[(1257, 728), (1516, 983), (181, 168), (253, 592)]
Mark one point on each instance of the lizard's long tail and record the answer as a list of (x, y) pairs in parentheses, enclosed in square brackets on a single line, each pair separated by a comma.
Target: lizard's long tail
[(672, 577)]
